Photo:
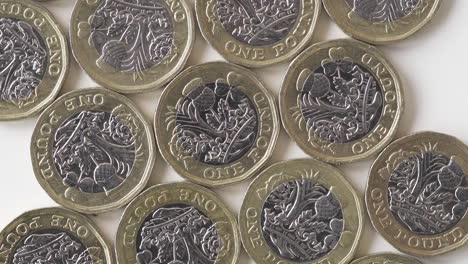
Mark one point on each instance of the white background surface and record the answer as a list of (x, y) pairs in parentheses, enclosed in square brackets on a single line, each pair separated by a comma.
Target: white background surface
[(433, 64)]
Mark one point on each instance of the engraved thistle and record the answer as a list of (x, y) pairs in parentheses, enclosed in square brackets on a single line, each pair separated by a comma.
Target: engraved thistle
[(23, 59), (340, 101), (132, 35), (55, 248), (427, 191), (178, 234), (214, 123), (386, 11), (95, 151), (302, 220), (258, 22)]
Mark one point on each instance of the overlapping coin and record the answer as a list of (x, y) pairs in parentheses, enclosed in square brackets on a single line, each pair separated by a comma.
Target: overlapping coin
[(341, 101), (256, 33), (92, 150), (33, 59), (381, 21), (386, 258), (301, 211), (417, 194), (177, 223), (216, 124), (53, 235), (132, 46)]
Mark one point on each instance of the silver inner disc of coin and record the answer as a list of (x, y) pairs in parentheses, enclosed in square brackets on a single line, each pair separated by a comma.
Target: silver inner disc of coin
[(258, 22), (94, 151), (179, 234), (216, 124), (132, 35), (383, 10), (52, 246), (428, 193), (341, 101), (301, 220), (23, 59)]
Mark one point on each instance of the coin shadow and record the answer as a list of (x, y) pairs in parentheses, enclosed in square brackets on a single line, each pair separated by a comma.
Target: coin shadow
[(409, 114), (161, 172), (323, 28), (437, 23)]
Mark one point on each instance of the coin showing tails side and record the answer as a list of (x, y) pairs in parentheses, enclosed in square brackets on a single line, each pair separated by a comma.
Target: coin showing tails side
[(177, 223), (53, 236), (258, 33), (381, 21), (92, 150), (417, 194), (33, 59), (341, 101), (301, 211), (132, 46), (216, 124)]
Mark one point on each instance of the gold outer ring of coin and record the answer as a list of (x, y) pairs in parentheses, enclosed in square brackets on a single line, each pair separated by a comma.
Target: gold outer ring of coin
[(132, 81), (43, 139), (318, 172), (366, 56), (380, 32), (42, 21), (267, 118), (386, 258), (252, 56), (378, 208), (185, 193), (76, 227)]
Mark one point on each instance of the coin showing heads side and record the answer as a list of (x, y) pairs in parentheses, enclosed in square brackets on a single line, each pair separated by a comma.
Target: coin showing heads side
[(257, 33), (341, 101), (381, 21), (301, 211), (177, 223), (33, 59), (132, 46), (53, 236), (417, 194), (386, 258), (92, 150), (216, 124)]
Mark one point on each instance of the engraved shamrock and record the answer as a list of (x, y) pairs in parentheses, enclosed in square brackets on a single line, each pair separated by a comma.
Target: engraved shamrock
[(229, 91), (337, 62)]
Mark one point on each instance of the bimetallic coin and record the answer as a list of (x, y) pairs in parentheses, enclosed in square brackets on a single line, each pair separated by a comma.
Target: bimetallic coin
[(92, 150), (301, 211), (216, 124), (341, 101), (134, 45), (258, 33), (417, 194), (386, 258), (381, 21), (33, 59), (177, 223), (53, 236)]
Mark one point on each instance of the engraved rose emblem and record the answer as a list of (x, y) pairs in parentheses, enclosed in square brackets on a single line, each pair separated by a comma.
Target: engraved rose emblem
[(258, 22), (340, 101), (23, 59), (178, 234), (95, 151), (58, 248), (427, 191), (302, 220), (215, 123)]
